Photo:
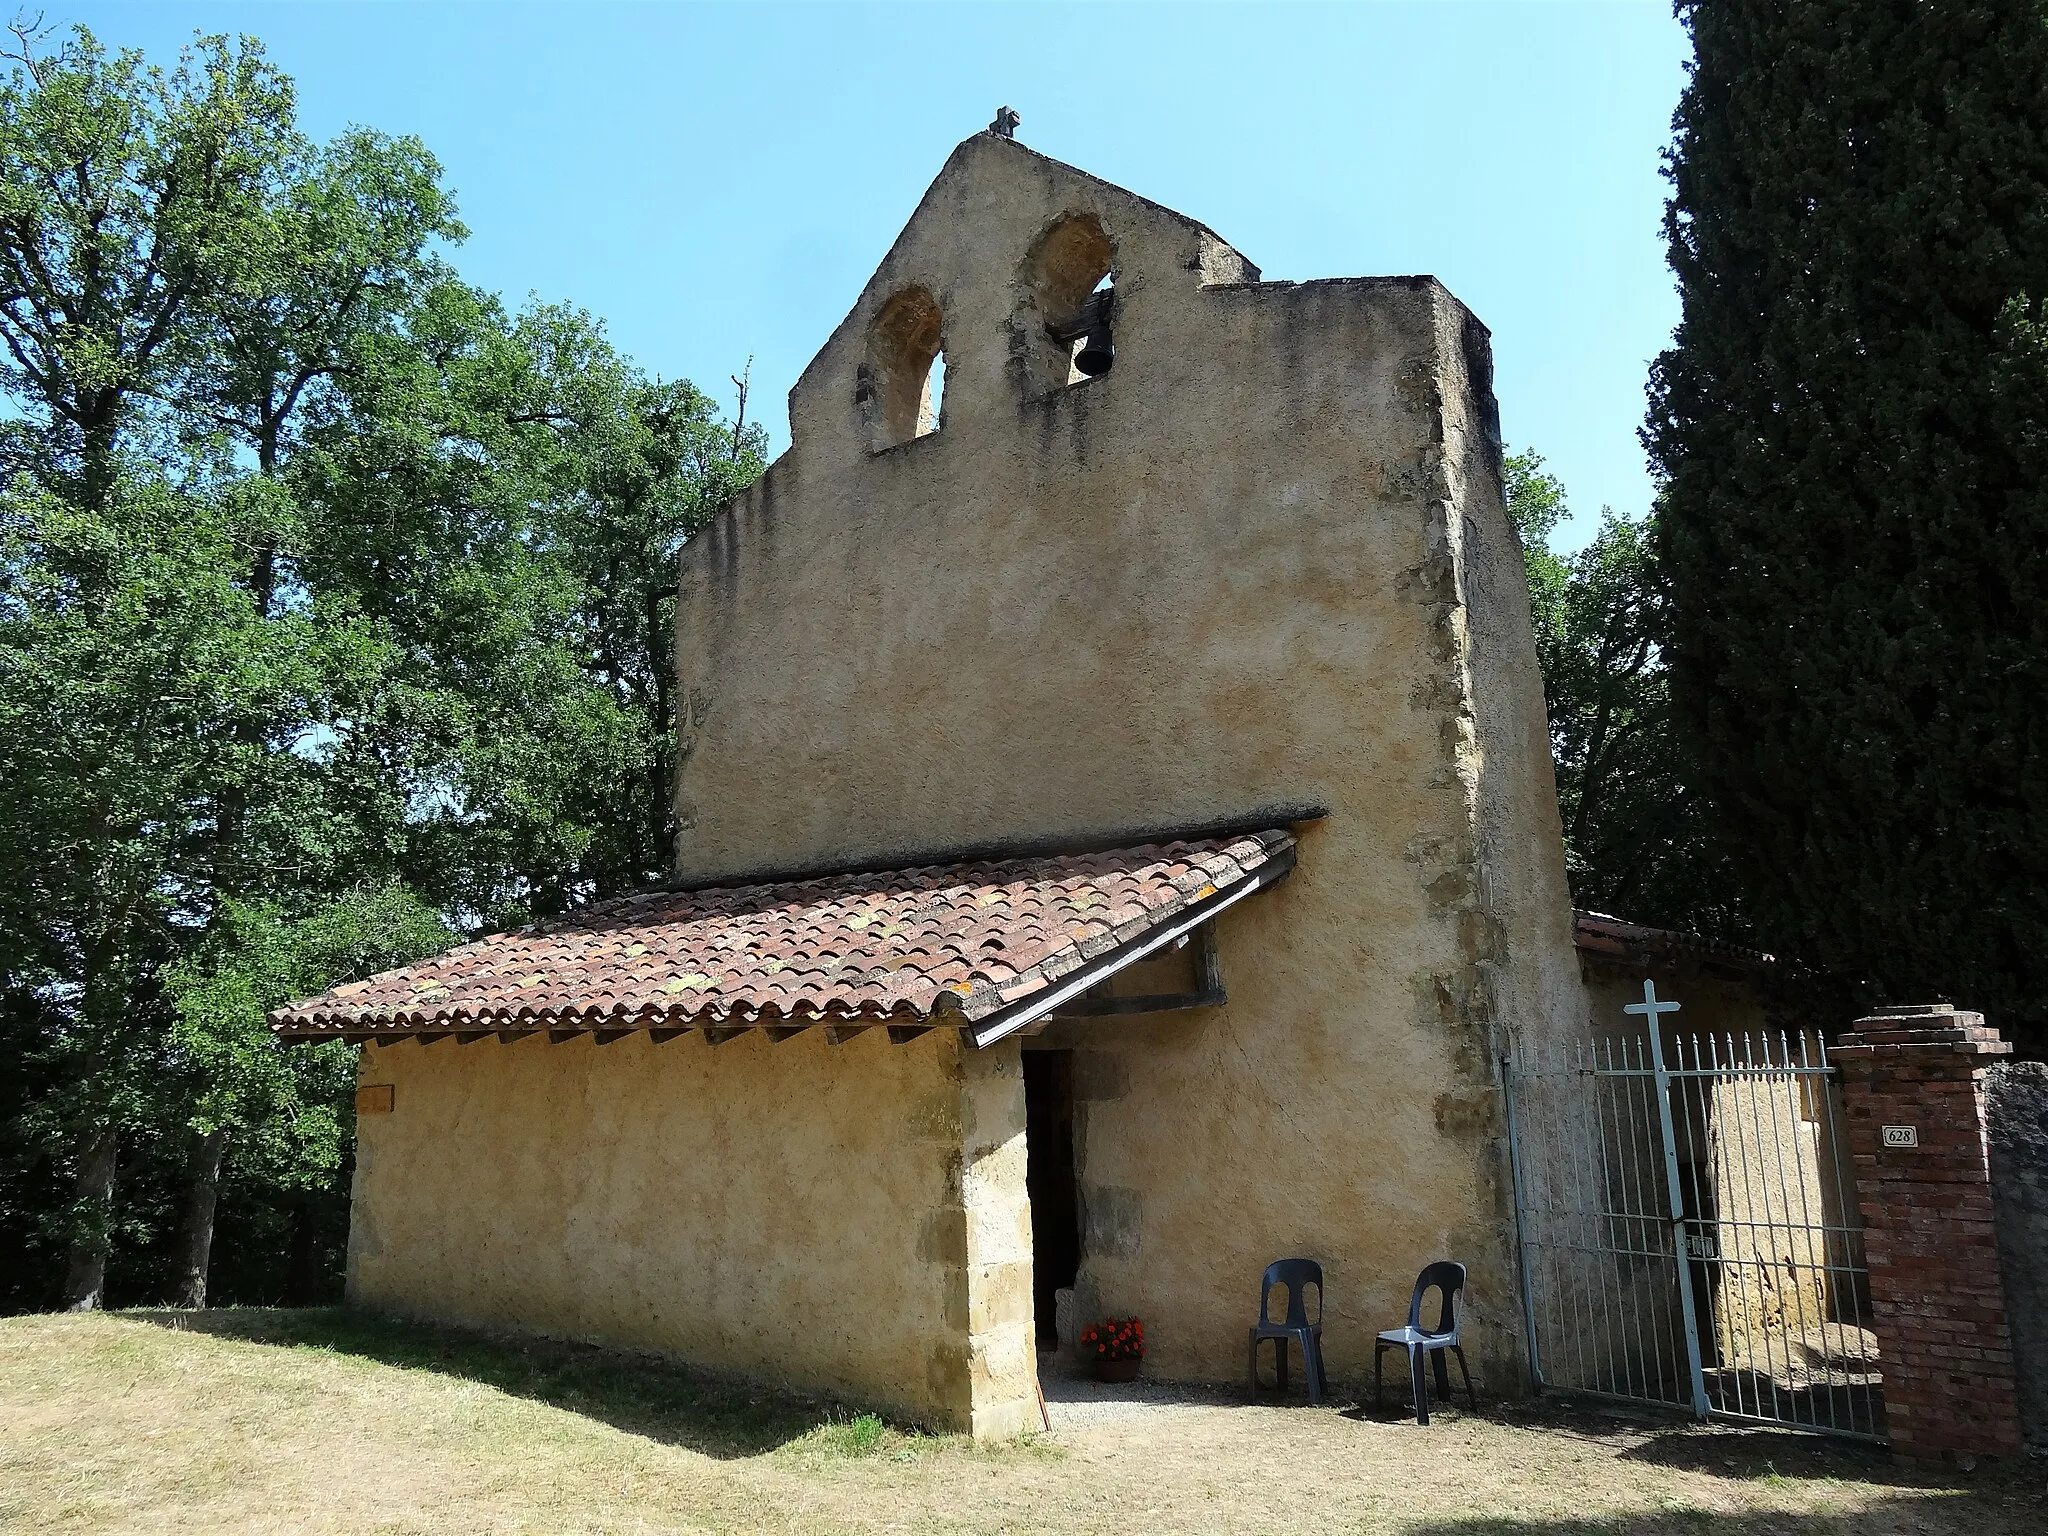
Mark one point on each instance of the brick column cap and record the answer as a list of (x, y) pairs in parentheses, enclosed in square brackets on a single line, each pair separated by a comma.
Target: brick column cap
[(1918, 1027)]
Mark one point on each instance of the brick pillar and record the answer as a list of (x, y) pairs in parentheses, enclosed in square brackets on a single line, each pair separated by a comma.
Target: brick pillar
[(1913, 1085)]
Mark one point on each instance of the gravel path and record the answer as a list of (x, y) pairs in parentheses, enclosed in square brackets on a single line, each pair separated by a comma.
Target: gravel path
[(1076, 1401)]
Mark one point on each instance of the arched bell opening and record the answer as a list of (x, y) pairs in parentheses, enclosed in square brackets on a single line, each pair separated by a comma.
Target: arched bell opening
[(1067, 312), (902, 384)]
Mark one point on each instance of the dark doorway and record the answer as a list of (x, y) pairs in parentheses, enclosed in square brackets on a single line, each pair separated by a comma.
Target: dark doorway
[(1049, 1181)]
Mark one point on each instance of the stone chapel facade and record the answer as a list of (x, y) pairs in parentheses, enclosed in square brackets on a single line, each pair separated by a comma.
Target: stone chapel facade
[(1117, 829)]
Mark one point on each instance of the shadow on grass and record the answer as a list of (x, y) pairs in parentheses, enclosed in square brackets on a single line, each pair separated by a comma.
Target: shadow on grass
[(1909, 1513), (1996, 1498), (1746, 1455), (641, 1394)]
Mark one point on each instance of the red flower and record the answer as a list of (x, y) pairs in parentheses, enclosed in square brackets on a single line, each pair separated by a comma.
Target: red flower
[(1115, 1338)]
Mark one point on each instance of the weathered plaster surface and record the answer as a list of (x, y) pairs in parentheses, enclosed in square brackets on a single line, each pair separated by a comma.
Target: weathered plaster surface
[(1262, 562), (835, 1217)]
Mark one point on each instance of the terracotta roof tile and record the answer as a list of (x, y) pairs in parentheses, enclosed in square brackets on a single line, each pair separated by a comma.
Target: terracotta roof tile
[(902, 947), (1597, 933)]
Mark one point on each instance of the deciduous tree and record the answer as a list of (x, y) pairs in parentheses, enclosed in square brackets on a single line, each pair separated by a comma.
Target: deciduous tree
[(331, 595), (1637, 840), (130, 198), (285, 1109)]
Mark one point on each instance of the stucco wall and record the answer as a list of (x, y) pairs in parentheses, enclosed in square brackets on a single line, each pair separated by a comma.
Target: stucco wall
[(843, 1218), (1262, 563), (1713, 999)]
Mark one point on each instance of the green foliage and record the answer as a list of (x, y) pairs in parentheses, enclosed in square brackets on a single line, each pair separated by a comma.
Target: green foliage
[(129, 198), (1853, 433), (287, 1107), (501, 501), (130, 664), (1536, 505), (1637, 842), (334, 617)]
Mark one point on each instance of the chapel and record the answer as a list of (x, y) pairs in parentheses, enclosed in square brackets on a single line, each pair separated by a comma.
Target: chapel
[(1117, 831)]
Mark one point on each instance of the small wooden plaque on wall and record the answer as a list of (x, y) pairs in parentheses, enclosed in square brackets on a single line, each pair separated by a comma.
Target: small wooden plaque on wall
[(375, 1099)]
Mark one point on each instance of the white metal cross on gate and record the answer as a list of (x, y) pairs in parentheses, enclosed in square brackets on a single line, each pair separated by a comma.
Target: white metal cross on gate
[(1650, 1008)]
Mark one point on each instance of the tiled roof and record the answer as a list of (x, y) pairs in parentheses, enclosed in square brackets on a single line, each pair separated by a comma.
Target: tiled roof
[(905, 947), (1598, 934)]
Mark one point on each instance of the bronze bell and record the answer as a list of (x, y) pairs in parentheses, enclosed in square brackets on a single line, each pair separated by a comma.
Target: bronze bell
[(1091, 328), (1097, 350)]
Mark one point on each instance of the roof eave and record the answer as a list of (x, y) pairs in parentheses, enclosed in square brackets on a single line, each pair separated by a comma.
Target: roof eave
[(1027, 1012)]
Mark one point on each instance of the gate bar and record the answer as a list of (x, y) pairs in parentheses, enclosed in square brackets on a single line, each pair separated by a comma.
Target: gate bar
[(1507, 1078)]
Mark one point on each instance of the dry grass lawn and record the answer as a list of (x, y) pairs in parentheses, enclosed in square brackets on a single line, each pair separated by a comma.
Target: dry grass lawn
[(331, 1421)]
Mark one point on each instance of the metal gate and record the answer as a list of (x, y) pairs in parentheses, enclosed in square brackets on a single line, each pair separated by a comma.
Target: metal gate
[(1688, 1227)]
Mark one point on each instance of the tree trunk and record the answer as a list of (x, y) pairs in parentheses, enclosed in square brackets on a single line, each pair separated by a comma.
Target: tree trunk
[(85, 1277), (195, 1238), (99, 470)]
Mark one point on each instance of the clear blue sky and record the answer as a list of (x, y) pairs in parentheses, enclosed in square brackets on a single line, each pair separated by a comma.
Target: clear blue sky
[(717, 181)]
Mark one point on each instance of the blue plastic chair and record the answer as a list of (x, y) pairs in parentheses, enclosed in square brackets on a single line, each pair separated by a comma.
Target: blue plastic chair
[(1297, 1275), (1449, 1279)]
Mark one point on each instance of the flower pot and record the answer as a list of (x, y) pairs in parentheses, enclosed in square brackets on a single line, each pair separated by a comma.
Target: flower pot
[(1117, 1370)]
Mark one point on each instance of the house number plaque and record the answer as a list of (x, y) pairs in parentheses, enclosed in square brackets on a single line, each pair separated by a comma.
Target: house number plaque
[(1902, 1136)]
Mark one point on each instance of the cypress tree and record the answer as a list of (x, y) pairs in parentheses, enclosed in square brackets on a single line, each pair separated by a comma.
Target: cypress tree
[(1852, 431)]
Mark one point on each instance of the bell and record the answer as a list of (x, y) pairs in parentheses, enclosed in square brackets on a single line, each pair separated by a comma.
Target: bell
[(1091, 328), (1097, 352)]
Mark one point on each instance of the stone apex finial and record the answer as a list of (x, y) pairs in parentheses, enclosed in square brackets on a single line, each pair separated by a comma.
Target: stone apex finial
[(1005, 125)]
